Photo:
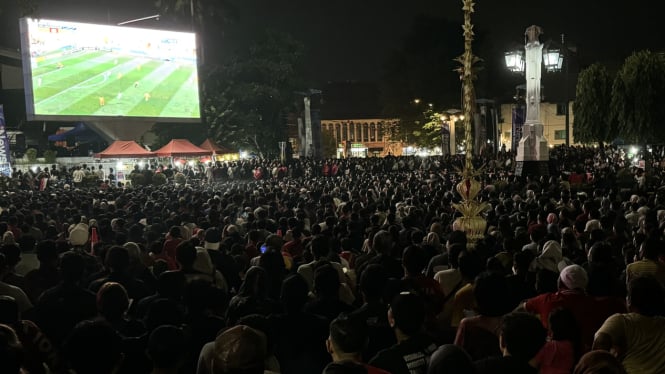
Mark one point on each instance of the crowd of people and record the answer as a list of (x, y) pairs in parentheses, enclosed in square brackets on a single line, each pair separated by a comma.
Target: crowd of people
[(337, 266)]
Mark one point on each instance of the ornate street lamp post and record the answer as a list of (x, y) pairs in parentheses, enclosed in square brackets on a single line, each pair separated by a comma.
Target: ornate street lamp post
[(532, 151)]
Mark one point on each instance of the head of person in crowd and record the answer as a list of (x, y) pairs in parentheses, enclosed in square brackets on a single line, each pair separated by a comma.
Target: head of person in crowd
[(454, 252), (294, 294), (569, 240), (72, 267), (112, 301), (600, 253), (522, 335), (9, 311), (239, 350), (326, 282), (320, 246), (274, 242), (492, 294), (212, 238), (564, 326), (550, 257), (546, 281), (167, 348), (456, 237), (450, 359), (78, 236), (573, 277), (521, 262), (652, 249), (345, 367), (47, 254), (347, 339), (470, 265), (406, 315), (163, 311), (185, 254), (414, 260), (373, 283), (11, 351), (382, 243), (117, 259), (255, 283), (93, 347), (174, 233), (599, 362), (646, 296), (12, 254)]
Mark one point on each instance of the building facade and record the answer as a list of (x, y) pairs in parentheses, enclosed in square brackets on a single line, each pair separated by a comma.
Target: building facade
[(361, 137), (553, 117)]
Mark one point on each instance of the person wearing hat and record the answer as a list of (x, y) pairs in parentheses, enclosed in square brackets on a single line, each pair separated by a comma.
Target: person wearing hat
[(589, 312), (549, 258)]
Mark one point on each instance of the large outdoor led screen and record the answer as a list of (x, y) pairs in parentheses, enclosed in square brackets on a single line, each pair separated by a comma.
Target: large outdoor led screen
[(77, 71)]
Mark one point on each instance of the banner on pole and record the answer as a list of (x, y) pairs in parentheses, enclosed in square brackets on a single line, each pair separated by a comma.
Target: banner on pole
[(518, 124), (5, 165)]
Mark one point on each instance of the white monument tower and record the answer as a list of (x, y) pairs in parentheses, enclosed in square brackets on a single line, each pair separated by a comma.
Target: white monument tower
[(532, 152)]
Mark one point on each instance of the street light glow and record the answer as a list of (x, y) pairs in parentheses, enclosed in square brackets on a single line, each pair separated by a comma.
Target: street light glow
[(515, 60), (553, 59)]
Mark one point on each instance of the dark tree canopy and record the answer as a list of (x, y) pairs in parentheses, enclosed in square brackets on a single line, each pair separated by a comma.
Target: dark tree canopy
[(247, 100), (591, 107), (637, 98)]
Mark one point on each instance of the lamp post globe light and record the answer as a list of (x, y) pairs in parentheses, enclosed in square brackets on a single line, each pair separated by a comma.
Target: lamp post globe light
[(532, 151), (515, 61)]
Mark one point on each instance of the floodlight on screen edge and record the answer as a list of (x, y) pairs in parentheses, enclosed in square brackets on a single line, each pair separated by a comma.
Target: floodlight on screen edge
[(83, 71)]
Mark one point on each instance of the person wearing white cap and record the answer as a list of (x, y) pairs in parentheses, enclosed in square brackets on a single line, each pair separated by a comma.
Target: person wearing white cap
[(589, 312)]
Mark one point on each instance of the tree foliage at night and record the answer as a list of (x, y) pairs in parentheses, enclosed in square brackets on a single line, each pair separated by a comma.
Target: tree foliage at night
[(637, 98), (593, 94), (247, 99)]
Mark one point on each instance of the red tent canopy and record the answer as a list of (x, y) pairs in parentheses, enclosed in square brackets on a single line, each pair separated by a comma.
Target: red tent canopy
[(214, 147), (124, 149), (181, 148)]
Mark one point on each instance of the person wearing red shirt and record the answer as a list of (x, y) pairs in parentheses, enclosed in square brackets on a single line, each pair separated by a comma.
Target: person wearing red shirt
[(589, 312), (173, 238), (294, 247)]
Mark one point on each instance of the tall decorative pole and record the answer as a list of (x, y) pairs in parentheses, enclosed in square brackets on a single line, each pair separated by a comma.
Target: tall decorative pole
[(472, 221)]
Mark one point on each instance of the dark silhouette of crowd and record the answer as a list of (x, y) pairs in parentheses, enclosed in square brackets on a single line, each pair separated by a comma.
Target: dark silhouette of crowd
[(337, 266)]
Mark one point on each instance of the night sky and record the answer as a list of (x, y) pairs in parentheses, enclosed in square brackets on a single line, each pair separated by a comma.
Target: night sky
[(351, 39)]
